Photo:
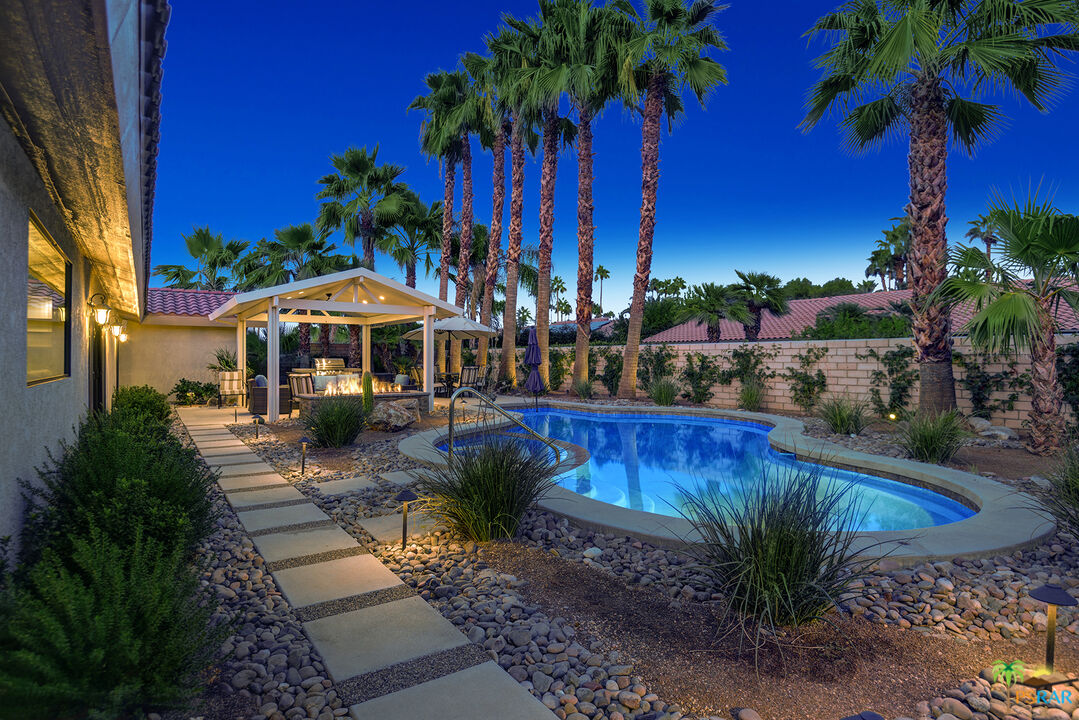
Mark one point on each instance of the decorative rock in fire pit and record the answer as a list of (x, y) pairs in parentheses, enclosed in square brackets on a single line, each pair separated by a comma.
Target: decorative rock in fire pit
[(390, 417)]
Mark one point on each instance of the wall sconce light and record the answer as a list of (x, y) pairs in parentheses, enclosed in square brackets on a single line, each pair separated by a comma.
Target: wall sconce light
[(1053, 595), (101, 308), (122, 337), (303, 454), (257, 419), (116, 328), (405, 496)]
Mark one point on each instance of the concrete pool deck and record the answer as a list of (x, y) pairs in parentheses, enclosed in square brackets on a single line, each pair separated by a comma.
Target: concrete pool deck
[(1005, 520)]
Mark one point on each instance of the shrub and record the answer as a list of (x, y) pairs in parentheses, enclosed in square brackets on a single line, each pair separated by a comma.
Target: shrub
[(193, 392), (140, 408), (558, 369), (852, 321), (699, 375), (654, 363), (612, 371), (583, 389), (336, 421), (663, 391), (368, 395), (933, 438), (224, 361), (844, 415), (485, 489), (751, 396), (806, 384), (781, 547), (114, 631), (1062, 500)]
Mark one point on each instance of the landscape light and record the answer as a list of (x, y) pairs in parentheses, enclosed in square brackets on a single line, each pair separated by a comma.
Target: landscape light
[(405, 496), (1053, 595), (303, 453), (257, 419)]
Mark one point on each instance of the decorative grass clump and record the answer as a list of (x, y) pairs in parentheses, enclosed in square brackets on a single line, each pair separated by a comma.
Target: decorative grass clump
[(1062, 500), (663, 391), (110, 631), (779, 548), (845, 416), (336, 421), (751, 396), (933, 438), (583, 389), (485, 489)]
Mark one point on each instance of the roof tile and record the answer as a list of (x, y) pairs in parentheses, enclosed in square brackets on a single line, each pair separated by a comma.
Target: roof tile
[(176, 301)]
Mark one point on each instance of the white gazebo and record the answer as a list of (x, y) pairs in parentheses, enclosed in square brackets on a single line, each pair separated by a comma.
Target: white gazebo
[(351, 297)]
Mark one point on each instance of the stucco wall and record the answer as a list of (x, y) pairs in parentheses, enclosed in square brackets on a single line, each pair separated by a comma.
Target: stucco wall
[(34, 418), (159, 355)]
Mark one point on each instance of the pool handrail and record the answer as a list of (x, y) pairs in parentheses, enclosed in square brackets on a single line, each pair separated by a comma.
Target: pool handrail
[(487, 400)]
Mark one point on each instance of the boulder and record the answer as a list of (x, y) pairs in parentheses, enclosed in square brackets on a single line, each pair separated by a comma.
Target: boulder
[(390, 417), (999, 432), (978, 424)]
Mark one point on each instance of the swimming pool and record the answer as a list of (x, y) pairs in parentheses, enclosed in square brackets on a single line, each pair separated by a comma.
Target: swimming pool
[(639, 461)]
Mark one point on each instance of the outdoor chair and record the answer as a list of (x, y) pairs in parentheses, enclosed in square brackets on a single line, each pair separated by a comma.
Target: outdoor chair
[(299, 384), (230, 383), (256, 399), (470, 376)]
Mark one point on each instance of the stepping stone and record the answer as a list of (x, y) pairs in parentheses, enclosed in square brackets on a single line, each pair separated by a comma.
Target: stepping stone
[(334, 580), (247, 498), (221, 448), (338, 487), (298, 543), (216, 436), (245, 457), (247, 482), (400, 477), (252, 468), (375, 637), (484, 691), (255, 520), (387, 528)]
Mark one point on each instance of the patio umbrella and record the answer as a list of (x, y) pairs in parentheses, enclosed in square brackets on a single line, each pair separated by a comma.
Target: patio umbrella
[(457, 327), (534, 383)]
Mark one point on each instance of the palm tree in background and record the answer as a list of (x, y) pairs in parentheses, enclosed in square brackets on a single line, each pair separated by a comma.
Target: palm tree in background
[(895, 247), (922, 64), (667, 53), (416, 234), (983, 230), (601, 274), (760, 292), (880, 265), (1017, 296), (215, 262), (558, 286), (524, 316), (866, 286), (711, 304)]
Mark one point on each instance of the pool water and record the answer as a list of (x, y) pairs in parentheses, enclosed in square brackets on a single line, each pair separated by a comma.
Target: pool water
[(640, 460)]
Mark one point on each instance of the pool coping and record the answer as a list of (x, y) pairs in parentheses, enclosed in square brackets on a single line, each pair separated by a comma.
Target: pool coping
[(1006, 520)]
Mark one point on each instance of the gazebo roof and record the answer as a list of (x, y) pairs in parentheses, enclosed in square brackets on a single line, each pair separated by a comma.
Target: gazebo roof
[(357, 297)]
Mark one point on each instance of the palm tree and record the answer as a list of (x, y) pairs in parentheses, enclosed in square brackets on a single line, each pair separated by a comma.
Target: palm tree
[(524, 316), (866, 286), (760, 292), (983, 230), (602, 274), (710, 304), (563, 309), (895, 248), (213, 256), (1016, 298), (416, 234), (880, 265), (916, 59), (558, 286), (668, 52)]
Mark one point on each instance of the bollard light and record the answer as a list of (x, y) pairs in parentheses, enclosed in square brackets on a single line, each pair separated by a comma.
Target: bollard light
[(303, 453), (257, 419), (1052, 595), (405, 497)]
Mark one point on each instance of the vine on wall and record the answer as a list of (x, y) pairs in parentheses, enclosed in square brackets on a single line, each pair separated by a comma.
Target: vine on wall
[(981, 385), (806, 384), (895, 374)]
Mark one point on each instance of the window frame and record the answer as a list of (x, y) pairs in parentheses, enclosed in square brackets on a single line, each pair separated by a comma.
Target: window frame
[(68, 267)]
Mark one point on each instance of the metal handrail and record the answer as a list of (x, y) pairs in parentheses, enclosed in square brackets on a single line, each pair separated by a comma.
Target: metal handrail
[(473, 391)]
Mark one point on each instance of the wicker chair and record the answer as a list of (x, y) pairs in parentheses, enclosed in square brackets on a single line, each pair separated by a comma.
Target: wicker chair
[(230, 383), (256, 399), (299, 384)]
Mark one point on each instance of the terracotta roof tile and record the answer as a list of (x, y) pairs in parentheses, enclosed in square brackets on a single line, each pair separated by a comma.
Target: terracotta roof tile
[(174, 301)]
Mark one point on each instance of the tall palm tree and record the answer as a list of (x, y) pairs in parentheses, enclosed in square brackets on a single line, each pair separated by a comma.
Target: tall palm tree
[(760, 292), (895, 246), (215, 262), (558, 286), (880, 265), (668, 52), (1016, 298), (983, 230), (710, 304), (602, 274), (416, 234), (922, 64)]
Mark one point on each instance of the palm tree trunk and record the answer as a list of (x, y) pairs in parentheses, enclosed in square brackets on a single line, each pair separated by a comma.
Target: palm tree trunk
[(753, 330), (304, 332), (410, 274), (585, 242), (324, 336), (884, 282), (465, 252), (507, 369), (355, 356), (653, 113), (1047, 397), (601, 294), (929, 246), (475, 290), (494, 240), (450, 171), (367, 238), (548, 174)]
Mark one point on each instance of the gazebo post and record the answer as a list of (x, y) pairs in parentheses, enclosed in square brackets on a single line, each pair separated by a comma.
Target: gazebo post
[(241, 356), (366, 361), (429, 356), (273, 360)]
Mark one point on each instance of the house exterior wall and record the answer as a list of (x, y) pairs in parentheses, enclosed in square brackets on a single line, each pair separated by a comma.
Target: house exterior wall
[(33, 419), (160, 354)]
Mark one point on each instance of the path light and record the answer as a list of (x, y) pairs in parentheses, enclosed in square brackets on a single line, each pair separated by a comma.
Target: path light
[(303, 453), (405, 496), (1053, 595), (257, 419), (892, 416)]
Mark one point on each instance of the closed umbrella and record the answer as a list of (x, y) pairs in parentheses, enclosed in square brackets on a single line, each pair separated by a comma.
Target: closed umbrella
[(534, 383)]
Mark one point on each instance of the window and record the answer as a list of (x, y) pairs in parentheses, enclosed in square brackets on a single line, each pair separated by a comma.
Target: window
[(48, 309)]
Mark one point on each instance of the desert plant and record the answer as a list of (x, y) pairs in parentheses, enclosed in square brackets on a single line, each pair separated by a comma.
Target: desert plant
[(336, 421), (844, 415), (933, 438), (583, 389), (485, 489), (111, 631), (699, 375), (751, 396), (1062, 500), (663, 391), (368, 394), (779, 546), (224, 361)]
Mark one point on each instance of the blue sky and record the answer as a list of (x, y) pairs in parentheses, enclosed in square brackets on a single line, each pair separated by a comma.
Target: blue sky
[(255, 102)]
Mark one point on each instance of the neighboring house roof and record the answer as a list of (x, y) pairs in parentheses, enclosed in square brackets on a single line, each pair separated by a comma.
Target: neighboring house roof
[(803, 314), (174, 301)]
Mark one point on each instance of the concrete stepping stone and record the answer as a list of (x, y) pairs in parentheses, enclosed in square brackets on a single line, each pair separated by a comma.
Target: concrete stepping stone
[(387, 528), (334, 580), (399, 477), (361, 641), (240, 457), (345, 485), (256, 520), (248, 482), (481, 692), (300, 543), (248, 498), (220, 448), (252, 468)]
